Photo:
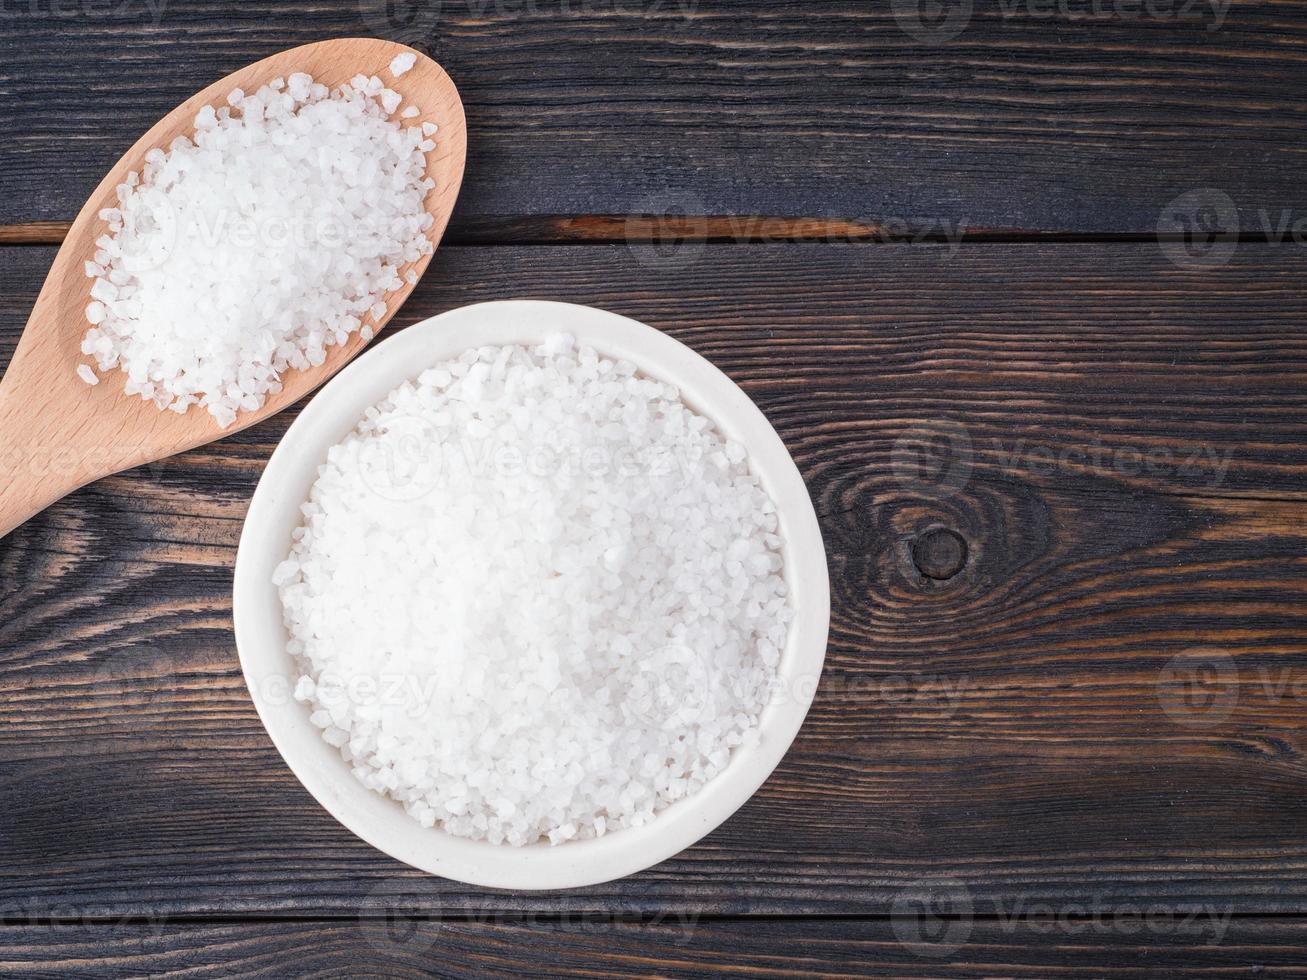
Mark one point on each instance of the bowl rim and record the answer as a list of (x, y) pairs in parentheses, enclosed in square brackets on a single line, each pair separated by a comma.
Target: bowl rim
[(268, 669)]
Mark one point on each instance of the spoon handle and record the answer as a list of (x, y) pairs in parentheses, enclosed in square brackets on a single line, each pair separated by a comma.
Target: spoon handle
[(50, 443), (36, 466)]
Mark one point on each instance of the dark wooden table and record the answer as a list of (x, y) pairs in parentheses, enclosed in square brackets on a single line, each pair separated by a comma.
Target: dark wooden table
[(1020, 286)]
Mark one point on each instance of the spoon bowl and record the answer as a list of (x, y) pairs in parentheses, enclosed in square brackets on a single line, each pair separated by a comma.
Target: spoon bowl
[(56, 432)]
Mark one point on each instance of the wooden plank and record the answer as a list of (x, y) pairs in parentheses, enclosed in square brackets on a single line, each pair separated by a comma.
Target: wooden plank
[(1114, 942), (1035, 117), (1121, 443)]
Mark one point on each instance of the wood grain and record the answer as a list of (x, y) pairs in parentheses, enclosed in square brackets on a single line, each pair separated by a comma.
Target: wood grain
[(1107, 700), (1129, 945), (1037, 117)]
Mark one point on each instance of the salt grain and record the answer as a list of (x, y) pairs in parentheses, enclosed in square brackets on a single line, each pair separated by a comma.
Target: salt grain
[(535, 597), (402, 63)]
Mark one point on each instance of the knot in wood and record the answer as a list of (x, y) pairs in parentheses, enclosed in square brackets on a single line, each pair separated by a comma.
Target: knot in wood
[(939, 553)]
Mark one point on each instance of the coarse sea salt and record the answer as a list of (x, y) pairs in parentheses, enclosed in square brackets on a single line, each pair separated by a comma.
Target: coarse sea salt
[(534, 596), (269, 235), (402, 63)]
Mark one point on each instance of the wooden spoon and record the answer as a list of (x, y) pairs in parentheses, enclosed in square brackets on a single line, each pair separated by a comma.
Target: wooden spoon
[(56, 432)]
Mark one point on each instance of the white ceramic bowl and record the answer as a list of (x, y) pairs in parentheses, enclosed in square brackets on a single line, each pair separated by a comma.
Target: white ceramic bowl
[(274, 514)]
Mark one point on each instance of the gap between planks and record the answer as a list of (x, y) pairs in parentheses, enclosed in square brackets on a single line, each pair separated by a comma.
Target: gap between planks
[(547, 917), (606, 229)]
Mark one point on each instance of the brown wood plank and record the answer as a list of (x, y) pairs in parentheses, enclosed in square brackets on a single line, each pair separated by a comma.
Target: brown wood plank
[(1122, 941), (1035, 117), (1021, 728)]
